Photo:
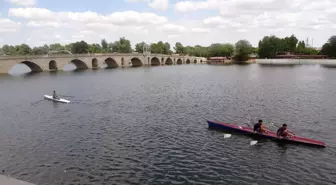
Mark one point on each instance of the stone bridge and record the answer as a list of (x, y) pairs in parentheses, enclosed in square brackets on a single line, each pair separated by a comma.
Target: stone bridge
[(94, 61)]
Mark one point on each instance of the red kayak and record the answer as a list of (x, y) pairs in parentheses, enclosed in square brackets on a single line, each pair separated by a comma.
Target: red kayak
[(269, 135)]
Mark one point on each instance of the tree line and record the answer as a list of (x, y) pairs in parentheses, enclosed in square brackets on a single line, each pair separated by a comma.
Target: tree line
[(271, 46), (268, 47), (123, 45)]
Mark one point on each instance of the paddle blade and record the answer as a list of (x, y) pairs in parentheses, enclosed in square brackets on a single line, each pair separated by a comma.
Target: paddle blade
[(253, 142), (227, 136)]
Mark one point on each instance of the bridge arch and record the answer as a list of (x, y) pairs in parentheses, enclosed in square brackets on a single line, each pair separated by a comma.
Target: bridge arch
[(155, 61), (111, 63), (79, 64), (188, 61), (136, 62), (195, 61), (52, 65), (94, 63), (169, 61), (179, 61), (35, 68)]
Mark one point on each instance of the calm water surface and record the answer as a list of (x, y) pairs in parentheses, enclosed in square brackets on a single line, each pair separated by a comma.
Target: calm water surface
[(147, 125)]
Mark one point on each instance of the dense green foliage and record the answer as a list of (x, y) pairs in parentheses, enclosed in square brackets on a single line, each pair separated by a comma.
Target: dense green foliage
[(122, 46), (268, 47), (139, 47), (160, 47), (329, 48), (271, 46), (243, 49), (80, 47)]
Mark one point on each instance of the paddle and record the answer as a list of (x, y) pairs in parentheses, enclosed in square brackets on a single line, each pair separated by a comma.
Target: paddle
[(253, 142), (227, 136)]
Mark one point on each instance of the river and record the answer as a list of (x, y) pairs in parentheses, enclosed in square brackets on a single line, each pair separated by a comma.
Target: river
[(147, 125)]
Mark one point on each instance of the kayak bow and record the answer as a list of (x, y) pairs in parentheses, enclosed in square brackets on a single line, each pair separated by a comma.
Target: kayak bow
[(269, 135)]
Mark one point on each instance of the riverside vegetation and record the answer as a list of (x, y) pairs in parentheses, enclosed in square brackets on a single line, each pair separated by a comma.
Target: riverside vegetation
[(268, 47)]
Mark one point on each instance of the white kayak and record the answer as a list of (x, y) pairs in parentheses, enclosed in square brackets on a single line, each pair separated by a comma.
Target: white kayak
[(57, 100)]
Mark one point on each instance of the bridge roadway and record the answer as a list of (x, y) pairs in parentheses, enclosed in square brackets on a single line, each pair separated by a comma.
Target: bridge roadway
[(94, 61)]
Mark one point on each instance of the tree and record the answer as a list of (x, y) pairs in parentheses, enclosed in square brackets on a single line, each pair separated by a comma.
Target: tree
[(104, 45), (255, 50), (139, 47), (95, 48), (42, 50), (160, 47), (201, 51), (45, 48), (221, 50), (179, 48), (301, 47), (242, 50), (167, 49), (80, 47), (37, 51), (329, 48), (122, 46), (23, 49), (270, 46), (157, 47), (56, 47), (292, 42), (6, 49), (68, 47)]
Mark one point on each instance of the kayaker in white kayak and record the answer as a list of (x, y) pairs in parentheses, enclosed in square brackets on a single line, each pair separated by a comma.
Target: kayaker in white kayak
[(259, 127), (284, 132), (55, 95)]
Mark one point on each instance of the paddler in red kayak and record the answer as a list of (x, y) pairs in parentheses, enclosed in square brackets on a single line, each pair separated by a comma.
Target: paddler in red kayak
[(283, 132), (259, 127)]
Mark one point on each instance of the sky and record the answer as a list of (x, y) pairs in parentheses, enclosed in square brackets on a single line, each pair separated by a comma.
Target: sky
[(191, 22)]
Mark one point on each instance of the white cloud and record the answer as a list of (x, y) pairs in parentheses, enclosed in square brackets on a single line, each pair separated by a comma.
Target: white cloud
[(23, 2), (191, 24), (40, 24), (159, 4), (8, 25), (201, 30), (186, 6), (117, 18), (172, 28), (132, 17), (78, 36), (155, 4)]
